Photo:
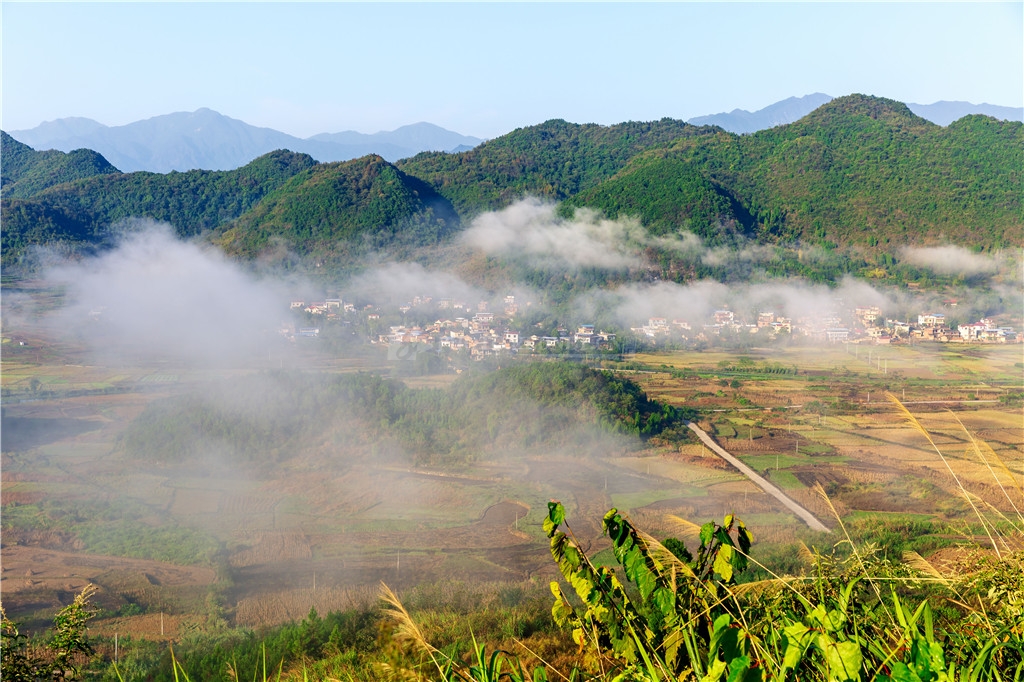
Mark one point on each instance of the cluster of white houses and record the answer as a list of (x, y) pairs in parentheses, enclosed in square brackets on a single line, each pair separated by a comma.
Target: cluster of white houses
[(486, 333), (868, 326), (482, 335)]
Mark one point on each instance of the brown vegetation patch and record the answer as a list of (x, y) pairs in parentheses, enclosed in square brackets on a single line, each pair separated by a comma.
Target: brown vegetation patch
[(264, 547), (34, 575), (20, 497), (285, 605), (151, 626), (247, 504)]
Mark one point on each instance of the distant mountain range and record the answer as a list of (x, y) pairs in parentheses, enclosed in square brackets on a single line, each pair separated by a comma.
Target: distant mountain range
[(861, 172), (790, 110), (211, 141)]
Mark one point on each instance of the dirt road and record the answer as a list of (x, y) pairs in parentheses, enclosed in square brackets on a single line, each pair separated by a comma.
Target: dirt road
[(806, 516)]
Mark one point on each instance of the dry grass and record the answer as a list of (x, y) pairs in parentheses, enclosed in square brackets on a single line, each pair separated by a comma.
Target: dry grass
[(273, 608)]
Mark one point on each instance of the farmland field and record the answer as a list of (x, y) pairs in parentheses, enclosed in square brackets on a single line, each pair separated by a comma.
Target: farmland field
[(264, 544)]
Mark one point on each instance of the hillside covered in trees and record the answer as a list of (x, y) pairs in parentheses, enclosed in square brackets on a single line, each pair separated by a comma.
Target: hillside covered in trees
[(859, 171), (83, 212), (268, 419), (27, 172), (337, 207), (554, 160)]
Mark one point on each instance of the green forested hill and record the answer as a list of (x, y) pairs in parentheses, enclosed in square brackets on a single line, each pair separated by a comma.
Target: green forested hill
[(669, 194), (859, 170), (82, 212), (26, 172), (554, 160), (273, 417), (340, 207)]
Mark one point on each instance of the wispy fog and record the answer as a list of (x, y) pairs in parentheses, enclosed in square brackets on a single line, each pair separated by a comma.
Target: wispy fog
[(154, 296), (696, 301), (400, 282), (531, 228), (950, 260)]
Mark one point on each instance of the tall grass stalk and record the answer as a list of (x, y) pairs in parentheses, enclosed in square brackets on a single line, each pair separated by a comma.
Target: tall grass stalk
[(963, 490), (976, 445)]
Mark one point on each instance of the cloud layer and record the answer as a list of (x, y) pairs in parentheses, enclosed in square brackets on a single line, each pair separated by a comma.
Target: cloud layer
[(531, 228), (635, 303), (950, 260), (157, 297)]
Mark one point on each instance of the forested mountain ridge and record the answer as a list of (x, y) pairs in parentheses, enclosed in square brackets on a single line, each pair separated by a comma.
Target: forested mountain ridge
[(553, 160), (345, 206), (27, 172), (858, 170), (83, 211), (793, 109)]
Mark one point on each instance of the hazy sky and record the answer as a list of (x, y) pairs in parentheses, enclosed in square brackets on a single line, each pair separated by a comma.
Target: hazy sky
[(484, 69)]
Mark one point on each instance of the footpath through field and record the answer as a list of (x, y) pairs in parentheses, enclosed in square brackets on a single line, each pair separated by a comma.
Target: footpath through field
[(806, 516)]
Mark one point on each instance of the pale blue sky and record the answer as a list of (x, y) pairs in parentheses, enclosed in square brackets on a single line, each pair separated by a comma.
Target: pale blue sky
[(484, 69)]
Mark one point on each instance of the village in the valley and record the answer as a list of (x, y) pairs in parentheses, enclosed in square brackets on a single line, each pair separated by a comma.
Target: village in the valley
[(461, 326)]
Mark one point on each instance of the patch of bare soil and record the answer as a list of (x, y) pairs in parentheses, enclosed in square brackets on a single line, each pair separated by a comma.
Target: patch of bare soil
[(35, 577)]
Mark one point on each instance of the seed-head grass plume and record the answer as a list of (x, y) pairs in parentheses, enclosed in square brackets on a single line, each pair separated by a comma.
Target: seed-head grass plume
[(960, 486)]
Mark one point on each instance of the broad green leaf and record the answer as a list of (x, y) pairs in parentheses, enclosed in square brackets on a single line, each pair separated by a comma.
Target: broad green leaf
[(844, 660), (834, 621), (646, 582), (707, 531), (715, 671), (797, 639), (572, 556), (665, 601), (723, 563), (555, 517), (740, 670), (580, 637), (901, 673)]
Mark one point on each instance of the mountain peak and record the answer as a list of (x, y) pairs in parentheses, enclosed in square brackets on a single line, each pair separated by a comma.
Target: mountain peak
[(878, 108), (945, 112), (741, 121)]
